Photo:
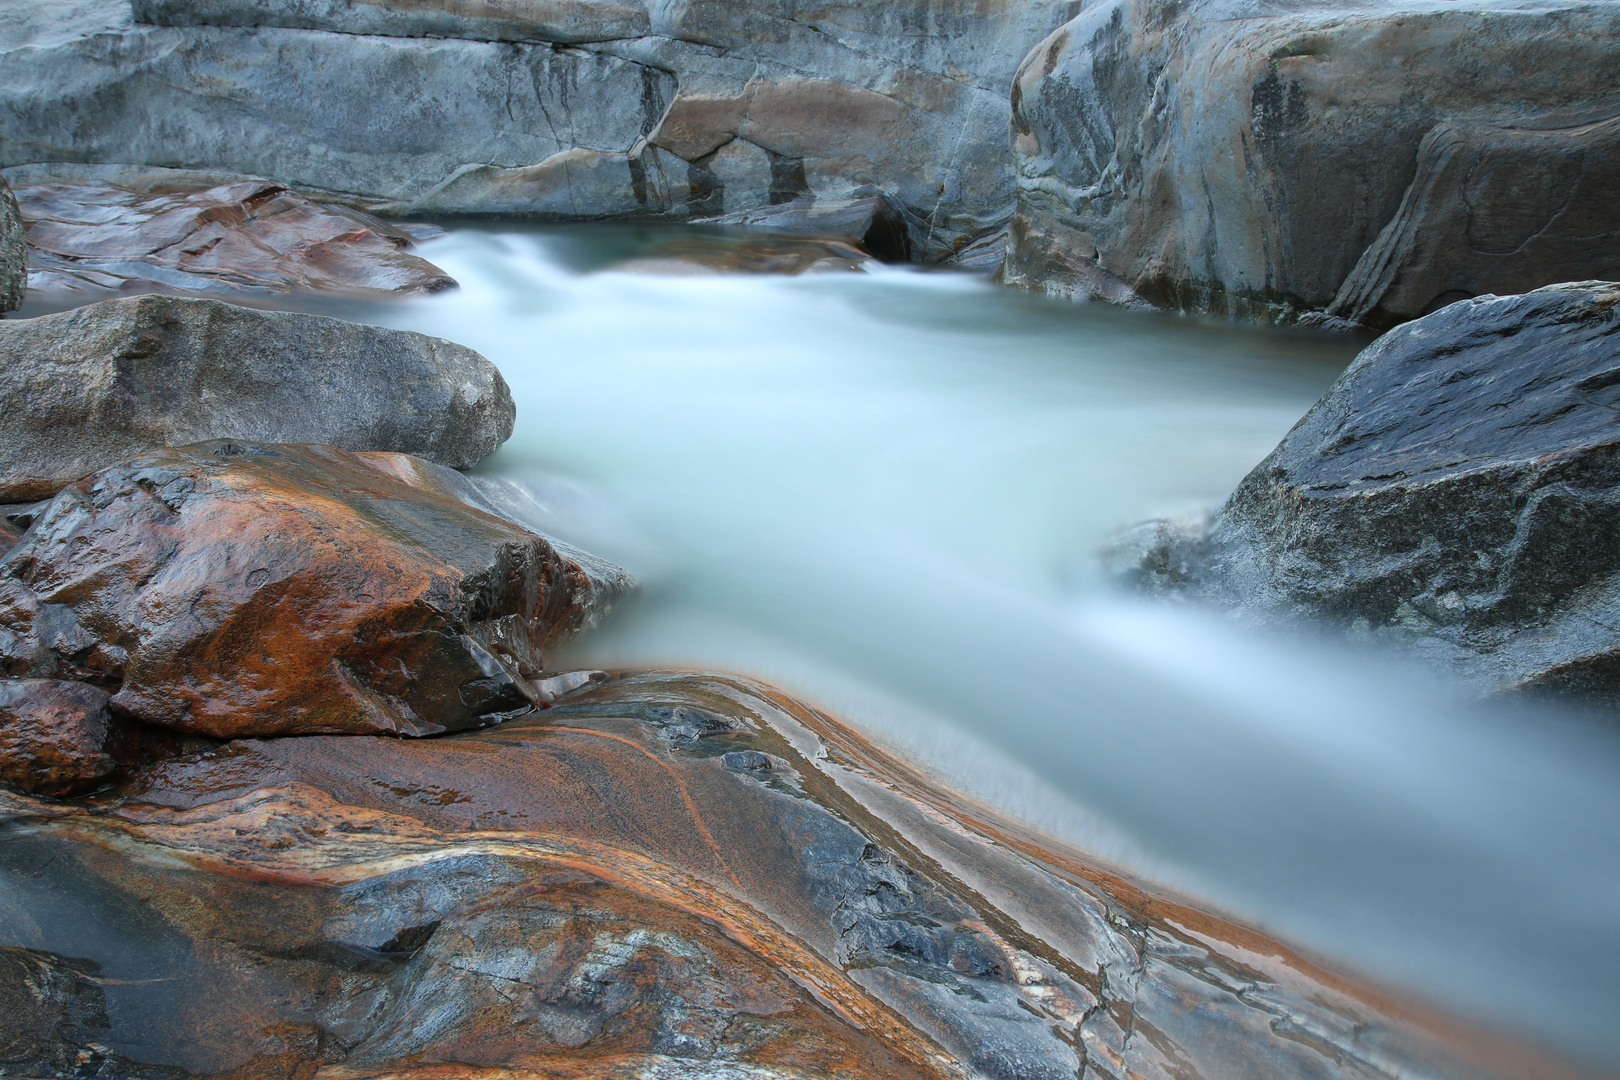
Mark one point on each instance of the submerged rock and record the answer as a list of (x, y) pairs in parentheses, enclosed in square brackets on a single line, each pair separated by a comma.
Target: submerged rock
[(13, 252), (1458, 488), (131, 375), (232, 589), (668, 876), (1369, 162), (254, 235)]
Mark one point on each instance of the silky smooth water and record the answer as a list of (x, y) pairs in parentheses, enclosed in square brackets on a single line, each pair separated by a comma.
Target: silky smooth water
[(884, 491)]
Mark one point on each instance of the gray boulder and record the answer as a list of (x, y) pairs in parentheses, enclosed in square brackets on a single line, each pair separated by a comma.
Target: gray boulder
[(94, 386), (562, 109), (1366, 163), (1457, 490), (13, 252)]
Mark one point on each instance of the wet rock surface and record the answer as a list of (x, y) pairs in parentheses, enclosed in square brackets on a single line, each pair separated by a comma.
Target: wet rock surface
[(253, 236), (556, 110), (671, 875), (1455, 489), (131, 375), (231, 588), (58, 738), (13, 252), (1366, 164)]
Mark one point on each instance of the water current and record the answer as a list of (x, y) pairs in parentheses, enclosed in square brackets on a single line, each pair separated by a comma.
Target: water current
[(885, 490)]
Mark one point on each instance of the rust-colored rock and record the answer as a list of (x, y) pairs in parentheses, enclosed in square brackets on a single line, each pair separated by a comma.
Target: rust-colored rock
[(668, 876), (232, 589), (58, 738), (252, 235)]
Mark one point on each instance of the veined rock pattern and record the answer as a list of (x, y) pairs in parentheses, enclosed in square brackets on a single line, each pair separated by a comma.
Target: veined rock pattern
[(671, 875)]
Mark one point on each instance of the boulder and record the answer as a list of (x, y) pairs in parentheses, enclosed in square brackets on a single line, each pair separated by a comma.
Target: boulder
[(13, 252), (1458, 489), (230, 589), (135, 374), (253, 235), (58, 738), (1362, 165), (555, 109), (669, 875)]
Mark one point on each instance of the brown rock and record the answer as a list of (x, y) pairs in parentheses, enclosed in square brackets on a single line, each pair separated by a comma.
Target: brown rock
[(253, 235), (57, 738), (718, 881), (249, 589)]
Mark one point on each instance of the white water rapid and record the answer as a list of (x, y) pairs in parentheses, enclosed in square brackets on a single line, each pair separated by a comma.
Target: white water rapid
[(884, 490)]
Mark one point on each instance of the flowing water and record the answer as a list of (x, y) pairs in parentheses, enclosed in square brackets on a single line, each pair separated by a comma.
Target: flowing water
[(885, 490)]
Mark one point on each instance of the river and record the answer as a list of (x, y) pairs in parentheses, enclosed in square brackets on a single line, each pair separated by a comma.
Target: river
[(884, 491)]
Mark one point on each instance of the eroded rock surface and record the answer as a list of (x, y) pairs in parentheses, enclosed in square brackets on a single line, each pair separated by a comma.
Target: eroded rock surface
[(254, 235), (230, 589), (58, 738), (13, 252), (1458, 487), (131, 375), (1367, 163), (561, 109), (669, 876)]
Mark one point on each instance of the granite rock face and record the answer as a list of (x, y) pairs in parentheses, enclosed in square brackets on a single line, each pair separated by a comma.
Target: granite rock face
[(252, 236), (131, 375), (1366, 163), (231, 589), (671, 876), (1457, 488), (13, 252), (562, 110)]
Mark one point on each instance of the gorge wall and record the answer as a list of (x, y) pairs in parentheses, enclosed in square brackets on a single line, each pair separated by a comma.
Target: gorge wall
[(1361, 163), (556, 109)]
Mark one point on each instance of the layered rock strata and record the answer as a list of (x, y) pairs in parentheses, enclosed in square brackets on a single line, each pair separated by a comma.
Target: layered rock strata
[(132, 375), (560, 110), (671, 876), (231, 589), (1457, 489), (1367, 164), (13, 252), (252, 236)]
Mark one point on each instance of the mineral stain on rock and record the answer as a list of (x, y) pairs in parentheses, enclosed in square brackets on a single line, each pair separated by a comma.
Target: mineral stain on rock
[(610, 895)]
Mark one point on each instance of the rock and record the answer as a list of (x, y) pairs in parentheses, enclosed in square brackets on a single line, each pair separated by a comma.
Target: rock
[(868, 219), (563, 109), (1458, 488), (57, 738), (669, 875), (131, 375), (733, 254), (13, 253), (1370, 162), (253, 235), (234, 589)]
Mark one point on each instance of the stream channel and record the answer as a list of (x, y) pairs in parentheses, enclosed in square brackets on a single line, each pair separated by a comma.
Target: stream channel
[(885, 492)]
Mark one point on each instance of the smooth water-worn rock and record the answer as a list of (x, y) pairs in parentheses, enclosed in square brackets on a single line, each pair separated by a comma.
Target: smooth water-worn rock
[(1366, 163), (1458, 487), (560, 109), (232, 588), (13, 252), (669, 876), (58, 738), (254, 235), (131, 375)]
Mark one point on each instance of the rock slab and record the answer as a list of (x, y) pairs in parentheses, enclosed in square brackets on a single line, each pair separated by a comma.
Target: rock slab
[(1364, 163), (131, 375), (13, 252), (231, 589), (58, 738), (253, 236), (1457, 488)]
